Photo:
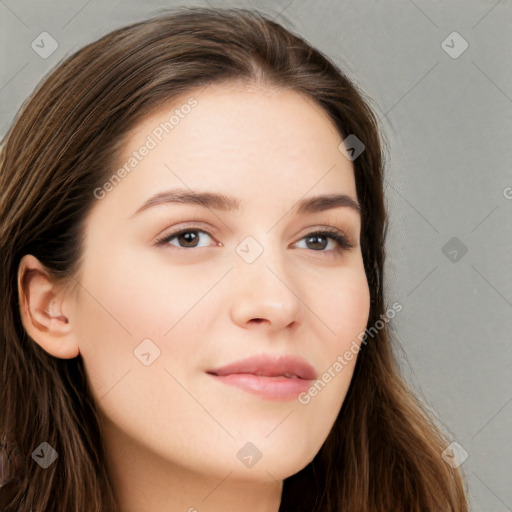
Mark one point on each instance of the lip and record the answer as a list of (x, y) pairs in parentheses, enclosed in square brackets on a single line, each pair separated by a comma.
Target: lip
[(271, 377)]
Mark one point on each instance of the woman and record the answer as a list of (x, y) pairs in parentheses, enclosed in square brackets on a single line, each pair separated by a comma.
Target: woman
[(145, 369)]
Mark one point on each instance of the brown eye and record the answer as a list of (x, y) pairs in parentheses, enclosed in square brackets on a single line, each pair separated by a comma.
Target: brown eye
[(187, 239), (318, 241)]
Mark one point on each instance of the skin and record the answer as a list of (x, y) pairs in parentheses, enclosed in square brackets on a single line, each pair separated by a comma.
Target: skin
[(171, 432)]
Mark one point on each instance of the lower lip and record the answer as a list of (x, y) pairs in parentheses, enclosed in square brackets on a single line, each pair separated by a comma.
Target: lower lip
[(269, 388)]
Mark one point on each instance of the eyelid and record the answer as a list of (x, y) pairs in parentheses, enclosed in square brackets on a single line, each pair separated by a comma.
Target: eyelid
[(328, 229), (192, 225)]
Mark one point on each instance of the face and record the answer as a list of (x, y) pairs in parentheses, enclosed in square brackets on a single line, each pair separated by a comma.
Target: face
[(174, 292)]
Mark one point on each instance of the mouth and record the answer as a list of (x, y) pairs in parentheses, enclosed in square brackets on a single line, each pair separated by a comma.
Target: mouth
[(270, 377), (266, 375)]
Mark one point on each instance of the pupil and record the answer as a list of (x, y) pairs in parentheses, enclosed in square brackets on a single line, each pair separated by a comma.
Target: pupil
[(317, 237), (189, 237)]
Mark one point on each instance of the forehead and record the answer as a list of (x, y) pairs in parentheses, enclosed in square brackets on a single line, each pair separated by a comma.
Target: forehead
[(239, 139), (239, 109)]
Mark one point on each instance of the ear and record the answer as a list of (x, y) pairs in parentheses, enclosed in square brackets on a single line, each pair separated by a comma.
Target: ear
[(44, 310)]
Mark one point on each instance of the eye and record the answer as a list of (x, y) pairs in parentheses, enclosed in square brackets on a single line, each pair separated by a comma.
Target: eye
[(320, 238), (317, 241), (189, 237)]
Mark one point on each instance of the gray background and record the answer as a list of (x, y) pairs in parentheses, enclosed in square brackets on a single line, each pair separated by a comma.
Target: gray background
[(448, 125)]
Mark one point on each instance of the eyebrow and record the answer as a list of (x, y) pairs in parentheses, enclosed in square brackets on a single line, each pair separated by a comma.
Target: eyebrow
[(223, 202)]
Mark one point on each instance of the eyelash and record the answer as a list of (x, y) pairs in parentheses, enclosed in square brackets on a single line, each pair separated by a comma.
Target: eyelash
[(343, 243)]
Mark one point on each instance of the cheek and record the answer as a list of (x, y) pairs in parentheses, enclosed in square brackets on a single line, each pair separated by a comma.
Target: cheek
[(349, 317), (124, 302), (354, 309), (343, 306)]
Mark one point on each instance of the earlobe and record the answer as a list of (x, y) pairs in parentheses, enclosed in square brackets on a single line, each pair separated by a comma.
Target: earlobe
[(43, 310)]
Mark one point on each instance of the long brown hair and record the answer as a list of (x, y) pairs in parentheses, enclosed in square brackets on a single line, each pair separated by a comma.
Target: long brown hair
[(383, 452)]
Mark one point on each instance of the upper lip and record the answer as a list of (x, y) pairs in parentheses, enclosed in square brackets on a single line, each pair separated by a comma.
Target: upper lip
[(269, 366)]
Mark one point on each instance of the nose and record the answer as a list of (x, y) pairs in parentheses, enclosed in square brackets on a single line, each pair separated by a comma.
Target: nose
[(265, 294)]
